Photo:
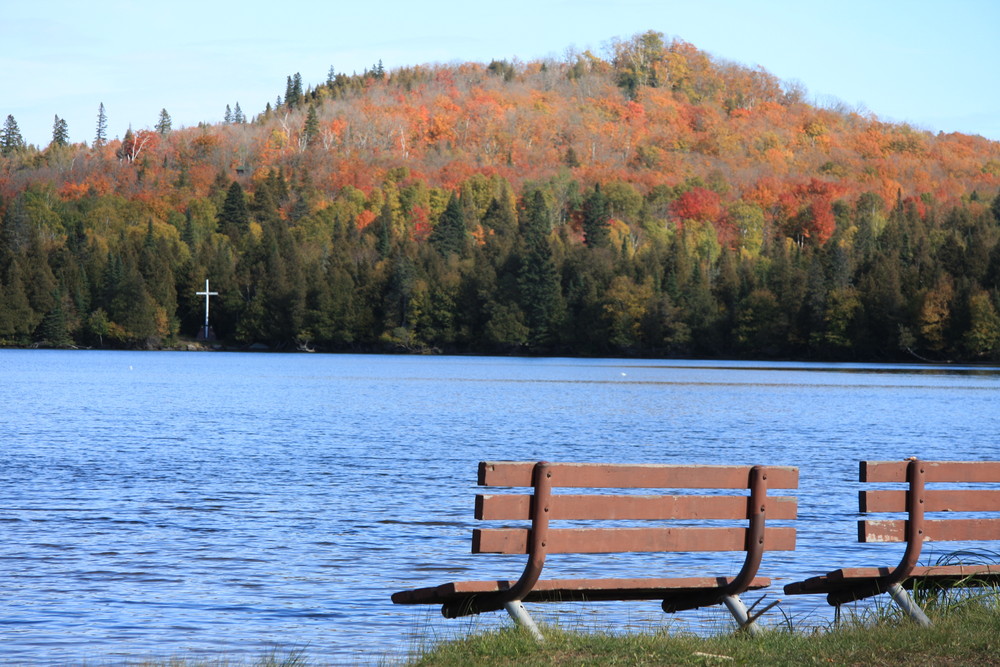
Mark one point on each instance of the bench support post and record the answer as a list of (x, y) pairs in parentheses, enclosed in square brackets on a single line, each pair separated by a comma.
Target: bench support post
[(906, 603), (523, 618), (739, 612)]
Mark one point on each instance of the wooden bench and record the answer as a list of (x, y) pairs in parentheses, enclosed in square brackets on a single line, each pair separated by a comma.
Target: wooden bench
[(593, 531), (849, 584)]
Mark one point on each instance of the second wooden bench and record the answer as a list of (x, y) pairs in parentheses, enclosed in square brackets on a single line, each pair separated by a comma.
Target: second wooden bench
[(961, 512)]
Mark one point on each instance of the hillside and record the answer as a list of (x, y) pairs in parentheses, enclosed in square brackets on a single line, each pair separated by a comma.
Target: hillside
[(654, 201)]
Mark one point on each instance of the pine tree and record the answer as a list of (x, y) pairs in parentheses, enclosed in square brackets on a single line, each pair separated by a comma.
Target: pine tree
[(102, 127), (163, 125), (234, 218), (10, 137), (228, 117), (450, 232), (60, 132), (596, 230), (238, 116), (311, 129), (538, 277), (293, 91), (53, 328)]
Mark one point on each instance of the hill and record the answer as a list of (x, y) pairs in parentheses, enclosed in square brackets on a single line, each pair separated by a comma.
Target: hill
[(654, 201)]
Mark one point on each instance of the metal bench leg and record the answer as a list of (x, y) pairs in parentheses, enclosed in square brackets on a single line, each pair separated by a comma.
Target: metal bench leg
[(739, 612), (906, 603), (523, 618)]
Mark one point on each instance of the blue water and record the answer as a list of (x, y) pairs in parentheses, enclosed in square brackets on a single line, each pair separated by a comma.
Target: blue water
[(217, 505)]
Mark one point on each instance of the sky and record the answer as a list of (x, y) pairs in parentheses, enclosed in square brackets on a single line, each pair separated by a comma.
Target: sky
[(932, 64)]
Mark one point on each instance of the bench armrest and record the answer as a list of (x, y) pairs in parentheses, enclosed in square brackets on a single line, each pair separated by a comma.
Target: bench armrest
[(755, 533)]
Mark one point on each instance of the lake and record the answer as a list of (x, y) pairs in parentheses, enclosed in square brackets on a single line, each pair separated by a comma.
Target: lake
[(206, 505)]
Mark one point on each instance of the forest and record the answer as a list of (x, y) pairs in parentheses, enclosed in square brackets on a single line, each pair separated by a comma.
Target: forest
[(648, 201)]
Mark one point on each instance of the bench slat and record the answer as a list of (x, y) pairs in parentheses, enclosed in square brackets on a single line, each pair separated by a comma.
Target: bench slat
[(949, 530), (627, 476), (935, 500), (621, 540), (925, 571), (935, 471), (517, 507)]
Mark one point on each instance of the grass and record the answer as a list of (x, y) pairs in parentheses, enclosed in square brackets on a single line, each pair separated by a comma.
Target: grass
[(966, 631)]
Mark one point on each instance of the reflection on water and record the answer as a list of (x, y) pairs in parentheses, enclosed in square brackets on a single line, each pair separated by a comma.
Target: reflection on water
[(184, 504)]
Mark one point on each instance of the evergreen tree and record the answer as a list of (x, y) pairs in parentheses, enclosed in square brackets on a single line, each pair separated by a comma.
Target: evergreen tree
[(227, 118), (501, 214), (293, 91), (163, 124), (538, 278), (10, 137), (383, 230), (596, 227), (15, 226), (54, 329), (102, 127), (450, 232), (60, 132), (238, 116), (311, 129), (17, 318), (234, 218)]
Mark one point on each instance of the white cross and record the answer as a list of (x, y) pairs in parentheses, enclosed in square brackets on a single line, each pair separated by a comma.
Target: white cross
[(207, 294)]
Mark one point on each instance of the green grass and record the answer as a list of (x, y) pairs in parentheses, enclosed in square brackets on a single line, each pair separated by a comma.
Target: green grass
[(966, 631)]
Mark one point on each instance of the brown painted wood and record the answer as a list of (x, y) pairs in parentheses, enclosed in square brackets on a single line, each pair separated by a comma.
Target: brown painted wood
[(621, 540), (517, 507), (637, 476), (947, 530), (935, 500), (572, 589), (925, 571), (861, 577), (935, 471)]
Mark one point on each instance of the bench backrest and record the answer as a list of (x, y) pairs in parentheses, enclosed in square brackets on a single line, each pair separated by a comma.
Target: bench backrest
[(541, 506), (919, 499)]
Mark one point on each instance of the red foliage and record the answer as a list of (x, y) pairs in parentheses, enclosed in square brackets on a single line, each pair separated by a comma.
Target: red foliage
[(365, 218), (697, 204), (806, 210), (421, 223)]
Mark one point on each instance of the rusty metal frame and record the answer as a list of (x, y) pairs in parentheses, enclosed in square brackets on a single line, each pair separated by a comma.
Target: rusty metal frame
[(729, 594), (914, 523), (914, 543), (913, 533), (755, 533), (510, 599), (542, 483)]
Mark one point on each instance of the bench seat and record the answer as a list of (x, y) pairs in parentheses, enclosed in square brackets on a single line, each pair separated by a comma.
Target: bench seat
[(846, 578), (555, 590)]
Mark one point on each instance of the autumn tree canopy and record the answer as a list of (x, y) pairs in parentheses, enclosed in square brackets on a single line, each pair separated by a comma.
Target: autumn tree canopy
[(651, 200)]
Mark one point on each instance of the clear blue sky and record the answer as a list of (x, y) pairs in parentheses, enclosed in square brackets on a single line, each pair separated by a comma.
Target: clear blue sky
[(935, 65)]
